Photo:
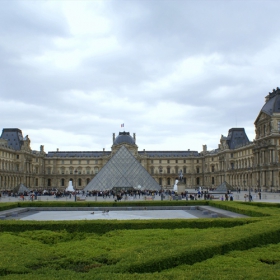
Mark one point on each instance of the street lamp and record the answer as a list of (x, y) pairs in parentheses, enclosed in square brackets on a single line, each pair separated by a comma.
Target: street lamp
[(76, 172), (161, 194)]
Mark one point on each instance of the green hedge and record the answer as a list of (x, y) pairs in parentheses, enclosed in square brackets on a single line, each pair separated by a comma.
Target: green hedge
[(103, 226), (8, 205), (109, 203)]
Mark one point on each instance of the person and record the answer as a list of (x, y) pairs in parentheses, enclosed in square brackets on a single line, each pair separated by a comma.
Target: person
[(245, 197), (260, 195)]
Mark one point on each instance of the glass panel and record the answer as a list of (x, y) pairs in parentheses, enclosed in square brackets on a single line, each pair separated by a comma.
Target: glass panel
[(122, 171)]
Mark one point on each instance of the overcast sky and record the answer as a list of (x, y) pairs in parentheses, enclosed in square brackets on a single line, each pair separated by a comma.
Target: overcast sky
[(177, 73)]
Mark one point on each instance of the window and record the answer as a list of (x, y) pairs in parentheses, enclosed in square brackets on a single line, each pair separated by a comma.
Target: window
[(62, 182), (185, 170), (231, 155), (159, 161), (168, 171), (49, 182), (176, 161), (197, 170), (168, 181), (17, 156), (80, 161), (79, 182), (36, 182), (160, 181), (152, 170), (96, 170), (197, 180), (184, 161), (96, 161), (62, 162), (197, 161), (279, 126), (212, 168), (213, 180), (168, 161), (152, 161), (88, 180), (70, 161), (87, 161)]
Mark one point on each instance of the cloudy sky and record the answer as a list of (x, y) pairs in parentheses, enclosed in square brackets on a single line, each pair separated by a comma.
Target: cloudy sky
[(177, 73)]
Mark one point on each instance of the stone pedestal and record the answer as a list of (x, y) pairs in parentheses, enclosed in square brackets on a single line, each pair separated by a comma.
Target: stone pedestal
[(181, 187)]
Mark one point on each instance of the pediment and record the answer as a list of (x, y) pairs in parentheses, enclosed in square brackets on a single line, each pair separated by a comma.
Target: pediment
[(262, 117)]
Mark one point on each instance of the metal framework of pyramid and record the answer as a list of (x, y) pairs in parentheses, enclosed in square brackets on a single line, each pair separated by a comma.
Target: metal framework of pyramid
[(20, 189), (122, 171), (224, 187)]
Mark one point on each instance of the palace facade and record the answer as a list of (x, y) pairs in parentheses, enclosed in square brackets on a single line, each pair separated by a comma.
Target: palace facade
[(238, 161)]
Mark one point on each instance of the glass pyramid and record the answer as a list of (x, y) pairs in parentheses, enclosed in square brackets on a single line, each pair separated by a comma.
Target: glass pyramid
[(122, 171)]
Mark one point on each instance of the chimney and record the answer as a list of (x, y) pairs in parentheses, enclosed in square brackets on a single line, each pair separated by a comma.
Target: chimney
[(114, 138), (134, 137)]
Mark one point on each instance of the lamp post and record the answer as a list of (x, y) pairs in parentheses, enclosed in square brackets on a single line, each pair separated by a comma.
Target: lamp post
[(161, 194), (76, 172)]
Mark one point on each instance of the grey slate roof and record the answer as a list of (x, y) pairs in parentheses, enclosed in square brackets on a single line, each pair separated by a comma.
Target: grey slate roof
[(107, 153), (237, 137), (273, 103), (77, 154), (170, 153), (14, 137)]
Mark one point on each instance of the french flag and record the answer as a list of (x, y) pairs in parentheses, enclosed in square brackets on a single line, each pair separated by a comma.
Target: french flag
[(122, 125)]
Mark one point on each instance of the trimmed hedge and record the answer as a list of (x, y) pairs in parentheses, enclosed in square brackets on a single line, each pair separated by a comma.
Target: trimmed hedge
[(103, 226), (110, 203)]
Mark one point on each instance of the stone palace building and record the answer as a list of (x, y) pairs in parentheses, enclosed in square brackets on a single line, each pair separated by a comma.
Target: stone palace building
[(237, 160)]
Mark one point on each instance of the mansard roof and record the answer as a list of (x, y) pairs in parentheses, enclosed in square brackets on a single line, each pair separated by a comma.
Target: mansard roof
[(170, 153), (272, 104), (14, 138), (236, 137), (78, 154)]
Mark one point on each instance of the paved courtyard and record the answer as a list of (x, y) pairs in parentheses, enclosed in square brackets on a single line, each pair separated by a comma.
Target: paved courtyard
[(266, 197)]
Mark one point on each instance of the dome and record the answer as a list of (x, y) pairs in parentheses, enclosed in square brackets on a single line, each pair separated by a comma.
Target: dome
[(272, 104), (124, 137)]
